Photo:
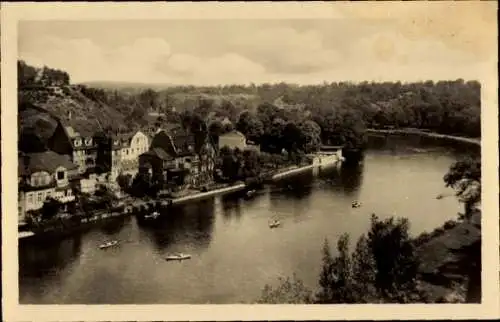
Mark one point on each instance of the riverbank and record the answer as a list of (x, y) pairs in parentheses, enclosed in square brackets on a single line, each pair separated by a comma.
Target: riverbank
[(133, 205), (450, 262), (427, 134)]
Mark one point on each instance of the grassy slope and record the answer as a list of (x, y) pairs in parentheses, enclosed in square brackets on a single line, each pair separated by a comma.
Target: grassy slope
[(80, 106)]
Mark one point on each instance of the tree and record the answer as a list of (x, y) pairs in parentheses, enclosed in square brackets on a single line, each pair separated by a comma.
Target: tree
[(465, 177), (50, 208), (289, 291), (266, 112), (251, 164), (325, 294), (273, 140), (141, 184), (250, 126), (106, 197), (228, 127), (336, 276), (395, 259), (311, 133), (124, 181), (364, 272), (215, 129)]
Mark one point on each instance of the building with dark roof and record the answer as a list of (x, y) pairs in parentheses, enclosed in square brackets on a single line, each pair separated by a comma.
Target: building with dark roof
[(75, 138), (178, 157), (44, 175)]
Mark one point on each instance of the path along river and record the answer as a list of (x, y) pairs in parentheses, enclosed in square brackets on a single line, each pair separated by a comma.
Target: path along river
[(234, 253)]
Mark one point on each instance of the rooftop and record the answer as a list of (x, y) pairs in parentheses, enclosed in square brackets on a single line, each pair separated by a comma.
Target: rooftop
[(159, 153), (233, 133), (43, 161), (80, 128)]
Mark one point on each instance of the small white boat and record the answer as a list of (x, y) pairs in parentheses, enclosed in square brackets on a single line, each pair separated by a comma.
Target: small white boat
[(274, 224), (153, 215), (356, 204), (250, 193), (108, 244), (179, 257)]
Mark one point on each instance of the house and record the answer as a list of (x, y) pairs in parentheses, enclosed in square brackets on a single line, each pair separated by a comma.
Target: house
[(232, 140), (75, 138), (43, 175), (109, 153), (133, 144), (176, 157)]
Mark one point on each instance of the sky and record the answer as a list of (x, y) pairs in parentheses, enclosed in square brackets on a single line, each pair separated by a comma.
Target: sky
[(378, 45)]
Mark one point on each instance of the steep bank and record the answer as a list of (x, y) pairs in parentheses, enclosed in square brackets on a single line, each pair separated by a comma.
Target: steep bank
[(451, 262)]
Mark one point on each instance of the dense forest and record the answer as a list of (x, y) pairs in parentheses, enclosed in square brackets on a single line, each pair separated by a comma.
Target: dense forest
[(284, 116)]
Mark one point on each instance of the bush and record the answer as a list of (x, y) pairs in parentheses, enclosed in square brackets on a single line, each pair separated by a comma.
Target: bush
[(437, 232), (449, 224), (422, 239), (382, 269), (289, 291)]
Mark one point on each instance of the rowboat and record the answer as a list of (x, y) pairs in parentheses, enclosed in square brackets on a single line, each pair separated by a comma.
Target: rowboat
[(108, 244), (152, 216), (249, 194), (356, 204), (179, 257), (274, 224)]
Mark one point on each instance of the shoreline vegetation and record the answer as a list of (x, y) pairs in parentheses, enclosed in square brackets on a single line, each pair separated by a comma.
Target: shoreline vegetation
[(476, 141), (389, 266), (138, 204)]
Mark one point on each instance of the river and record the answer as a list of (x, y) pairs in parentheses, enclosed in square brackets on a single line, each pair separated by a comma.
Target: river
[(234, 253)]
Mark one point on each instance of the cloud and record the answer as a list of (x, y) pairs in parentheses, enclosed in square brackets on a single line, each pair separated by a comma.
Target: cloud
[(286, 50), (463, 26), (84, 60), (395, 44)]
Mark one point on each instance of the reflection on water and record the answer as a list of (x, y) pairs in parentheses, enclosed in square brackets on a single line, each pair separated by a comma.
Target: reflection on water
[(231, 207), (234, 251), (190, 224), (114, 226), (46, 257)]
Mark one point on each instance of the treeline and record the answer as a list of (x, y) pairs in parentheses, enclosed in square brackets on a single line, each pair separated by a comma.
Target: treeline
[(32, 77), (447, 107), (341, 110)]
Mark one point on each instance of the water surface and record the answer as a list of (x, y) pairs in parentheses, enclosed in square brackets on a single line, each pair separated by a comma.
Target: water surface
[(234, 253)]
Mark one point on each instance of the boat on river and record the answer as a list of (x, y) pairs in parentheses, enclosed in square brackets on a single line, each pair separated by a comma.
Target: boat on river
[(356, 204), (250, 193), (178, 257), (108, 244), (275, 224), (152, 216)]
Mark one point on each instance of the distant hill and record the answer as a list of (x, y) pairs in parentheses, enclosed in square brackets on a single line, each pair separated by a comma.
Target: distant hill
[(125, 85)]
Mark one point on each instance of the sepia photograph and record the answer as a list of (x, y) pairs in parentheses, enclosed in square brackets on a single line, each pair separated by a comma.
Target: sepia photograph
[(329, 159)]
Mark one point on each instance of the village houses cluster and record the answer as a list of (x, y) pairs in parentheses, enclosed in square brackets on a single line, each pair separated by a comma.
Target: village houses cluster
[(81, 157)]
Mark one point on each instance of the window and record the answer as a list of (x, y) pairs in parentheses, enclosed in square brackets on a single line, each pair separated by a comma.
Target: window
[(39, 197), (60, 175), (88, 141), (30, 198)]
